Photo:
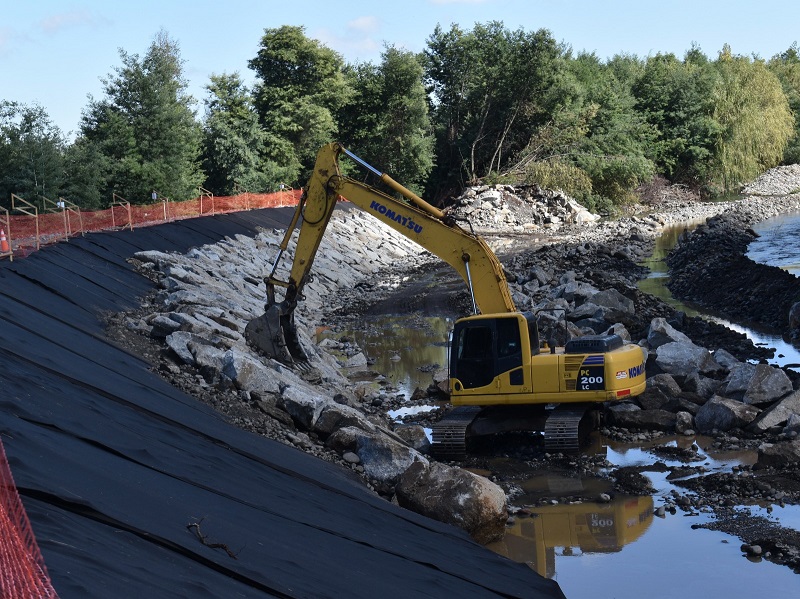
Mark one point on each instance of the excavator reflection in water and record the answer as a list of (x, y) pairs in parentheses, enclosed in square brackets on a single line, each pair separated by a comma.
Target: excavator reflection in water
[(585, 527), (497, 359)]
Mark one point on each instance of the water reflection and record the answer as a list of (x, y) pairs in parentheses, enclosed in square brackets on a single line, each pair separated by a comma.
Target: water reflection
[(406, 351), (572, 530)]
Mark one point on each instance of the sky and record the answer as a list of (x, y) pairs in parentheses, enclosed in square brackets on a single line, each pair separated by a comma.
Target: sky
[(55, 53)]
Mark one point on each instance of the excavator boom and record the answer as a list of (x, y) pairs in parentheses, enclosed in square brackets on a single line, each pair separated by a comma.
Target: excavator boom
[(274, 333)]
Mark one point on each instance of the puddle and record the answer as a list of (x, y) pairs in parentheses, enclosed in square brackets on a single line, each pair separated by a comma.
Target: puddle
[(407, 351), (620, 549)]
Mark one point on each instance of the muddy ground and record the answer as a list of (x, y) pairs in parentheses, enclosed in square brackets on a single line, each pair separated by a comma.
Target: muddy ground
[(523, 455)]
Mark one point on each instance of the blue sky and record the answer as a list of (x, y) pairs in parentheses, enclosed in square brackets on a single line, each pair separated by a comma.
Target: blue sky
[(55, 52)]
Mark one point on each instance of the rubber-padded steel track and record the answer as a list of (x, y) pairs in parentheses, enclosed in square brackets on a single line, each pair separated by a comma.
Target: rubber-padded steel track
[(450, 433)]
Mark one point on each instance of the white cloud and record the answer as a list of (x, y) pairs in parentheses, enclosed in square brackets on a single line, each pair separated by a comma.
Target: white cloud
[(364, 25), (67, 20)]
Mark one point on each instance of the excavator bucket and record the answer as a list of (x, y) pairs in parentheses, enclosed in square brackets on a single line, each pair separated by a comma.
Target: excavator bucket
[(275, 335)]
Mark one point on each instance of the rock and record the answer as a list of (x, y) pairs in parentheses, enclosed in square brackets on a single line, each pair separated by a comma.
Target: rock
[(757, 383), (643, 419), (682, 359), (777, 414), (455, 496), (703, 386), (725, 359), (723, 414), (661, 332), (356, 361), (335, 416), (616, 307), (792, 428), (794, 320), (303, 405), (384, 459), (683, 422), (777, 455), (249, 373), (415, 436)]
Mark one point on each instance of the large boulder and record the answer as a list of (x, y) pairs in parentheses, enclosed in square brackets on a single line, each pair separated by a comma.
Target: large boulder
[(682, 359), (303, 405), (455, 496), (656, 419), (615, 306), (384, 458), (249, 373), (335, 416), (723, 414), (778, 455), (778, 414), (758, 384), (661, 332), (794, 321)]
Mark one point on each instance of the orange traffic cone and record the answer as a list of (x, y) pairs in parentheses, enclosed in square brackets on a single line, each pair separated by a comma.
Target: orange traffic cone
[(3, 243)]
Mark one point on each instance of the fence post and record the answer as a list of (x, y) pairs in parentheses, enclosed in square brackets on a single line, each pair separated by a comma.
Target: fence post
[(122, 203), (203, 192), (30, 210)]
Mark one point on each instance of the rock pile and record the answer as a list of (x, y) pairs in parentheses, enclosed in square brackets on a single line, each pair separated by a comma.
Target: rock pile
[(778, 181), (522, 209)]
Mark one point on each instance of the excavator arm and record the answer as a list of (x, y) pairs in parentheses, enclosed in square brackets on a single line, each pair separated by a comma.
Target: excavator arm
[(274, 333)]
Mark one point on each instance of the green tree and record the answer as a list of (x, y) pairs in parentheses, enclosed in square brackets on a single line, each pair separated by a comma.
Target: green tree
[(613, 152), (300, 87), (491, 89), (31, 154), (676, 99), (234, 142), (754, 118), (86, 169), (145, 127), (387, 120), (786, 67)]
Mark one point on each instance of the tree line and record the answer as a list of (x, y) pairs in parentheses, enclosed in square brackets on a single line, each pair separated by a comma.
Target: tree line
[(486, 105)]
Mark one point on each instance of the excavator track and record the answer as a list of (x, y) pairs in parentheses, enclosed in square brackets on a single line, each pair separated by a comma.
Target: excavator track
[(562, 430), (450, 433)]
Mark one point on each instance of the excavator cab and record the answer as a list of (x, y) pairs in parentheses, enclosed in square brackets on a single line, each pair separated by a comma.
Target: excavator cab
[(485, 347)]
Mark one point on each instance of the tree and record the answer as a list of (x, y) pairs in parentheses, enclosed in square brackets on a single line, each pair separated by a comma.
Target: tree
[(145, 127), (613, 150), (234, 143), (387, 121), (31, 154), (786, 67), (754, 118), (300, 87), (675, 98), (490, 88)]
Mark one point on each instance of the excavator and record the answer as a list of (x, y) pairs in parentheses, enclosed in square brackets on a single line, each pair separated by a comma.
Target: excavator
[(499, 368)]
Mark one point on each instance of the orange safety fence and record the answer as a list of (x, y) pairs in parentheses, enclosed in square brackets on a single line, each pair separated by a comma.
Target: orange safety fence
[(23, 574), (30, 231)]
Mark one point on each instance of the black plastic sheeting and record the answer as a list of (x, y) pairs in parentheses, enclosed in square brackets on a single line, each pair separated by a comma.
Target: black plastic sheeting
[(135, 489)]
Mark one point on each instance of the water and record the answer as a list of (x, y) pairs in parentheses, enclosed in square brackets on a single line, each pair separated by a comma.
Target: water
[(779, 243)]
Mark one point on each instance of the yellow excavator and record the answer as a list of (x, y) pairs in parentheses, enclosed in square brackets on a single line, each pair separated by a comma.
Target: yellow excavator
[(497, 361)]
